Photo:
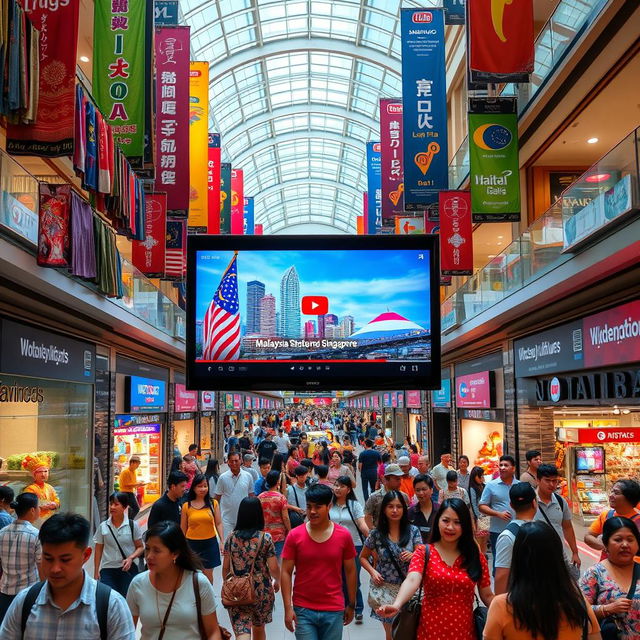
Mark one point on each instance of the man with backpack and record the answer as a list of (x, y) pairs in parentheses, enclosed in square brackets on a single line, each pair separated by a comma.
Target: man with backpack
[(69, 603)]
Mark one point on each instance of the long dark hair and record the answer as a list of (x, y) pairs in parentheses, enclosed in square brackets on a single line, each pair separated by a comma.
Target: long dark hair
[(476, 481), (171, 536), (346, 481), (467, 545), (197, 479), (276, 462), (250, 518), (212, 470), (323, 453), (383, 523), (176, 464), (541, 591)]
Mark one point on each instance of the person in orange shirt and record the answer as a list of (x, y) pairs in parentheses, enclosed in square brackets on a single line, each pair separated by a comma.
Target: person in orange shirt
[(129, 484), (48, 499), (406, 482)]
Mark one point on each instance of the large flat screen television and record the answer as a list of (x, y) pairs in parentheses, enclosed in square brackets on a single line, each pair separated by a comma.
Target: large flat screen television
[(313, 312)]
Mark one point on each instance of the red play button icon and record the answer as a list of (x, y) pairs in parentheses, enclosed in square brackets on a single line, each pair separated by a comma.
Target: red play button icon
[(315, 305)]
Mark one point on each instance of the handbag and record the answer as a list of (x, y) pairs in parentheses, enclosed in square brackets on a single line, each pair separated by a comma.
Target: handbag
[(226, 635), (134, 569), (405, 624), (479, 617), (609, 627), (295, 518), (239, 590), (386, 593)]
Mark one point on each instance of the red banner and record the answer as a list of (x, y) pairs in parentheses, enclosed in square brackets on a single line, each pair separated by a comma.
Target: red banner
[(456, 230), (500, 40), (391, 157), (258, 230), (148, 255), (237, 202), (172, 118), (51, 134), (618, 434), (213, 179), (365, 212)]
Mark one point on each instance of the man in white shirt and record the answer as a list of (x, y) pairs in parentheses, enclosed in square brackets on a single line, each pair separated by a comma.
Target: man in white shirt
[(282, 443), (439, 474), (232, 486)]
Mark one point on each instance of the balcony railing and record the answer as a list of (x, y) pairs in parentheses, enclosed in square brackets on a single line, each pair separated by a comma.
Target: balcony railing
[(19, 222)]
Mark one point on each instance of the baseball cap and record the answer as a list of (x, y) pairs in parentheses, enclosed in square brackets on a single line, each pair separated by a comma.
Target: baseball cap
[(249, 456), (521, 494), (404, 460), (393, 470)]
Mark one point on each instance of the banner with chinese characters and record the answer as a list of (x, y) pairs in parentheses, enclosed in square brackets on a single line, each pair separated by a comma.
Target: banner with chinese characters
[(176, 247), (493, 159), (456, 233), (51, 132), (454, 11), (225, 197), (119, 70), (198, 146), (501, 40), (172, 117), (424, 108), (248, 215), (391, 157), (374, 191), (237, 201), (149, 255), (213, 182)]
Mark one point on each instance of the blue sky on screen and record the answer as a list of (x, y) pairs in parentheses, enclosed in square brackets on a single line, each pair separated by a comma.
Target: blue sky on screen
[(363, 284)]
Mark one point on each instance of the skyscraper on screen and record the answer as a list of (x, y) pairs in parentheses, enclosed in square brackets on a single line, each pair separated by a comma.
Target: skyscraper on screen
[(290, 304), (255, 293), (267, 316)]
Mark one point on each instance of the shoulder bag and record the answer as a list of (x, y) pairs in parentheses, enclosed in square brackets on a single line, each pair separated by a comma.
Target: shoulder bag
[(134, 569), (355, 524), (295, 518), (610, 626), (386, 593), (239, 590), (405, 624), (479, 617)]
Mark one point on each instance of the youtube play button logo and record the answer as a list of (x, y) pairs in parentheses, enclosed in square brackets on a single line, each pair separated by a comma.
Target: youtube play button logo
[(315, 305)]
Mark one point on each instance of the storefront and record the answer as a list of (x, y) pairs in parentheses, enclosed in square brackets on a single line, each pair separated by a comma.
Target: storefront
[(441, 419), (185, 407), (413, 400), (208, 437), (233, 413), (46, 411)]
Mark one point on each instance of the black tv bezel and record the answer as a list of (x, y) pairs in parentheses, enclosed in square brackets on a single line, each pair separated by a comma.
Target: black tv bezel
[(345, 378)]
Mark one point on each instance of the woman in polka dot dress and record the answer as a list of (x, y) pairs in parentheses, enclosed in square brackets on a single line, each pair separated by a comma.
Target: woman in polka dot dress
[(454, 568)]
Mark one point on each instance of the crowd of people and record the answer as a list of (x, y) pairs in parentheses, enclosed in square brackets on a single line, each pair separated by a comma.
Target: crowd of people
[(449, 551)]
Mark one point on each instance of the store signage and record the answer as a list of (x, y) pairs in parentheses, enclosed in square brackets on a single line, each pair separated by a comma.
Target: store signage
[(448, 314), (129, 420), (391, 157), (134, 430), (414, 399), (20, 393), (394, 399), (28, 351), (213, 183), (593, 436), (489, 415), (409, 226), (400, 400), (198, 145), (442, 397), (454, 11), (237, 401), (228, 401), (145, 394), (165, 12), (16, 217), (386, 400), (248, 217), (374, 188), (237, 201), (424, 104), (475, 390), (207, 400), (456, 233), (185, 400), (225, 197), (149, 255)]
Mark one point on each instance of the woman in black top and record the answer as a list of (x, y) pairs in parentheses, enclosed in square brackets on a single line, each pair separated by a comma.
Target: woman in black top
[(423, 513)]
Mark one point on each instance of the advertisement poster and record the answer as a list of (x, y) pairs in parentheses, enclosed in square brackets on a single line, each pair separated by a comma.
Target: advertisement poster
[(186, 401), (414, 399), (172, 117), (228, 401), (424, 103), (248, 215), (442, 397), (493, 156), (208, 400), (149, 255), (474, 390), (456, 233), (374, 190), (175, 251), (391, 157), (484, 442), (198, 145), (145, 394), (119, 71), (225, 197), (237, 401), (237, 201), (213, 183), (409, 226), (254, 403), (247, 402)]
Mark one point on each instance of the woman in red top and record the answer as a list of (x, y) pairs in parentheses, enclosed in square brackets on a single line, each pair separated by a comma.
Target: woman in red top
[(454, 568), (276, 511)]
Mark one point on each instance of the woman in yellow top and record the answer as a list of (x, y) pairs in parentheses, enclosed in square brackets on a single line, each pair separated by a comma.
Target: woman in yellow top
[(201, 523)]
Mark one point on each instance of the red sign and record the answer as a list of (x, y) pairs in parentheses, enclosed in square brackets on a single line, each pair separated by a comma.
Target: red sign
[(392, 175), (172, 118), (208, 400), (237, 202), (148, 255), (413, 399), (456, 230), (185, 400), (213, 183), (474, 390), (314, 305), (237, 401), (365, 212), (612, 337), (258, 230), (597, 436)]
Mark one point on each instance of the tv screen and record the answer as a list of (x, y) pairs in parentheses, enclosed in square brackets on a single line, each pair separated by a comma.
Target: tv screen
[(313, 312), (589, 459)]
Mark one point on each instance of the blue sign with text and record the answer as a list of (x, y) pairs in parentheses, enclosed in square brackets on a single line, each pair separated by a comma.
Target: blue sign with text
[(454, 11), (442, 396), (248, 217), (424, 107), (374, 188), (146, 394)]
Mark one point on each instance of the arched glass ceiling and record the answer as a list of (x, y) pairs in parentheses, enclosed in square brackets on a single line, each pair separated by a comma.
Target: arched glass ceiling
[(295, 90)]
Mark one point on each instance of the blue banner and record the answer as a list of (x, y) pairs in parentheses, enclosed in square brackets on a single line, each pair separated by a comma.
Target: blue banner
[(424, 108), (248, 217), (454, 11), (374, 188)]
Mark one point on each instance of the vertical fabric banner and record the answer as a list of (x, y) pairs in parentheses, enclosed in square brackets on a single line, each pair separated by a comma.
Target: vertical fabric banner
[(119, 70), (149, 151), (360, 225), (259, 230), (456, 233), (365, 212), (501, 40), (198, 145), (374, 189), (172, 117), (51, 134), (249, 221), (225, 197), (493, 157), (454, 11), (213, 183), (424, 108), (149, 256), (391, 157), (176, 242), (237, 201)]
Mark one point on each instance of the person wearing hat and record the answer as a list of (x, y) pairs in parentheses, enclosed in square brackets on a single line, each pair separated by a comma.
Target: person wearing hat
[(38, 467), (523, 499), (247, 465), (393, 475), (406, 483), (129, 484)]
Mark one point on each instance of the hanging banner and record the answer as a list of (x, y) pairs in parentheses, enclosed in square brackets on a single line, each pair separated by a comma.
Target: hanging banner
[(409, 226), (493, 157), (174, 261), (166, 12), (198, 146), (119, 70), (54, 225), (424, 105), (391, 157), (248, 215), (213, 183), (147, 169), (456, 231), (454, 11), (225, 197), (500, 40), (360, 225), (172, 117), (365, 212), (237, 201), (149, 256), (259, 230), (51, 134), (374, 189)]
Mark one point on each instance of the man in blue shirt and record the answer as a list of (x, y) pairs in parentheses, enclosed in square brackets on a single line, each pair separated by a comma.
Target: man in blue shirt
[(495, 502), (368, 462), (6, 498), (260, 484)]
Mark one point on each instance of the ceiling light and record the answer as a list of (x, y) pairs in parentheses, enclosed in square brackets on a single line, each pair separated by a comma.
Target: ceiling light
[(616, 412), (592, 140), (84, 59), (597, 177), (626, 411), (500, 237), (491, 255)]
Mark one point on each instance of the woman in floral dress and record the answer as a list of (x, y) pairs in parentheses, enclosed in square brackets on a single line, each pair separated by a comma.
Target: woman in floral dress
[(246, 543)]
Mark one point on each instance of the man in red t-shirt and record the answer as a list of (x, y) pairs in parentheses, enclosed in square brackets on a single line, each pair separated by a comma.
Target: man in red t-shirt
[(319, 550)]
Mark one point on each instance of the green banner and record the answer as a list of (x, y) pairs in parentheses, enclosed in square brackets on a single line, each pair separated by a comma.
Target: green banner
[(493, 158), (225, 197), (119, 69)]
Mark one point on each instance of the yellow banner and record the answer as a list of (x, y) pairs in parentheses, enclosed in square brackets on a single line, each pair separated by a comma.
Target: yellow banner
[(198, 143)]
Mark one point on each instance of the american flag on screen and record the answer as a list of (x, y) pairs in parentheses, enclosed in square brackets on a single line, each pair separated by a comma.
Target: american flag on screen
[(221, 329)]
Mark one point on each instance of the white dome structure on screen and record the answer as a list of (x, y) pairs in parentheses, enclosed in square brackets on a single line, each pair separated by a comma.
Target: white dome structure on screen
[(388, 325)]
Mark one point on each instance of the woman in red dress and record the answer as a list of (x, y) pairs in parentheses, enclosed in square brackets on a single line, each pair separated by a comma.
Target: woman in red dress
[(454, 568)]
